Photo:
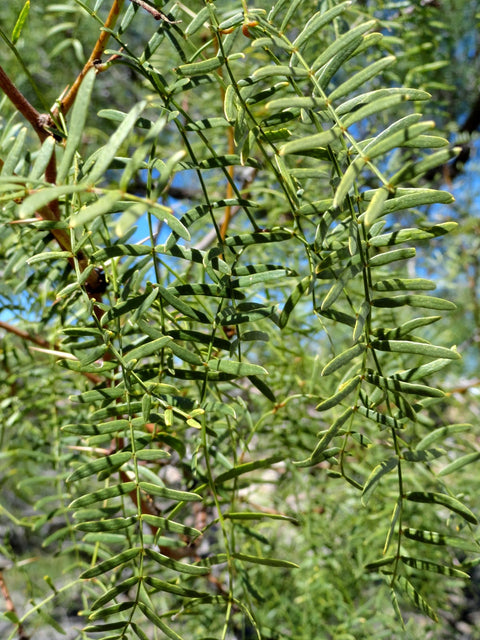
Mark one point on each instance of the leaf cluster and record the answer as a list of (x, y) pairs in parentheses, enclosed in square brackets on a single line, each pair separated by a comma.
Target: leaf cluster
[(218, 281)]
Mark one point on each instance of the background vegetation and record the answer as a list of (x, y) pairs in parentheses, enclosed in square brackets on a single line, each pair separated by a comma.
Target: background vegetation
[(231, 405)]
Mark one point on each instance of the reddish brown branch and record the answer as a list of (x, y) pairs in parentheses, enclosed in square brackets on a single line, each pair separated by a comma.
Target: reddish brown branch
[(40, 124), (95, 57), (158, 15), (23, 106), (41, 343), (11, 607)]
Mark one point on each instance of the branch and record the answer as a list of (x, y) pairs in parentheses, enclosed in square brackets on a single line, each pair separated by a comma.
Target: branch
[(41, 124), (41, 343), (95, 58), (158, 15), (11, 607), (37, 120)]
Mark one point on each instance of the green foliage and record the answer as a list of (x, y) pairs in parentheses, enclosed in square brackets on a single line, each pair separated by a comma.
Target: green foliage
[(242, 429)]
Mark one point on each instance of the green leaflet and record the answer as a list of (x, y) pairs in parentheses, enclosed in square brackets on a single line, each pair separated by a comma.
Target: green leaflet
[(147, 349), (320, 451), (426, 565), (246, 467), (158, 622), (372, 102), (113, 610), (107, 204), (257, 515), (137, 629), (165, 214), (101, 628), (244, 312), (361, 77), (381, 419), (315, 141), (169, 587), (391, 256), (344, 390), (107, 152), (44, 196), (168, 494), (413, 169), (337, 288), (422, 456), (239, 369), (317, 21), (14, 154), (201, 67), (348, 178), (299, 102), (257, 238), (383, 562), (423, 370), (413, 595), (170, 563), (111, 563), (376, 206), (426, 302), (445, 500), (41, 162), (418, 348), (376, 475), (101, 428), (440, 539), (395, 284), (115, 591), (394, 384), (49, 255), (112, 524), (265, 73), (207, 123), (264, 276), (118, 116), (459, 463), (362, 315), (122, 250), (441, 433), (77, 124), (106, 463), (393, 525), (103, 494), (395, 136), (343, 358), (169, 525), (341, 42), (300, 289), (198, 21), (22, 18), (262, 387), (270, 562), (183, 307)]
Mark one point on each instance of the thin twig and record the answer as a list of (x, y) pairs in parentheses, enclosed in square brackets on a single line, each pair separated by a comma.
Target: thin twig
[(67, 101), (11, 607), (23, 105), (158, 15), (41, 343)]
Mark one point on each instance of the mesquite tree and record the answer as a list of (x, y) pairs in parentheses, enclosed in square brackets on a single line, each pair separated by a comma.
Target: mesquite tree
[(222, 408)]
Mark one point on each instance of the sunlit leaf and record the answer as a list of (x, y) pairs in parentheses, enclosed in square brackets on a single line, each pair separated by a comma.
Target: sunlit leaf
[(111, 563), (376, 475), (445, 500), (22, 18), (77, 124)]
